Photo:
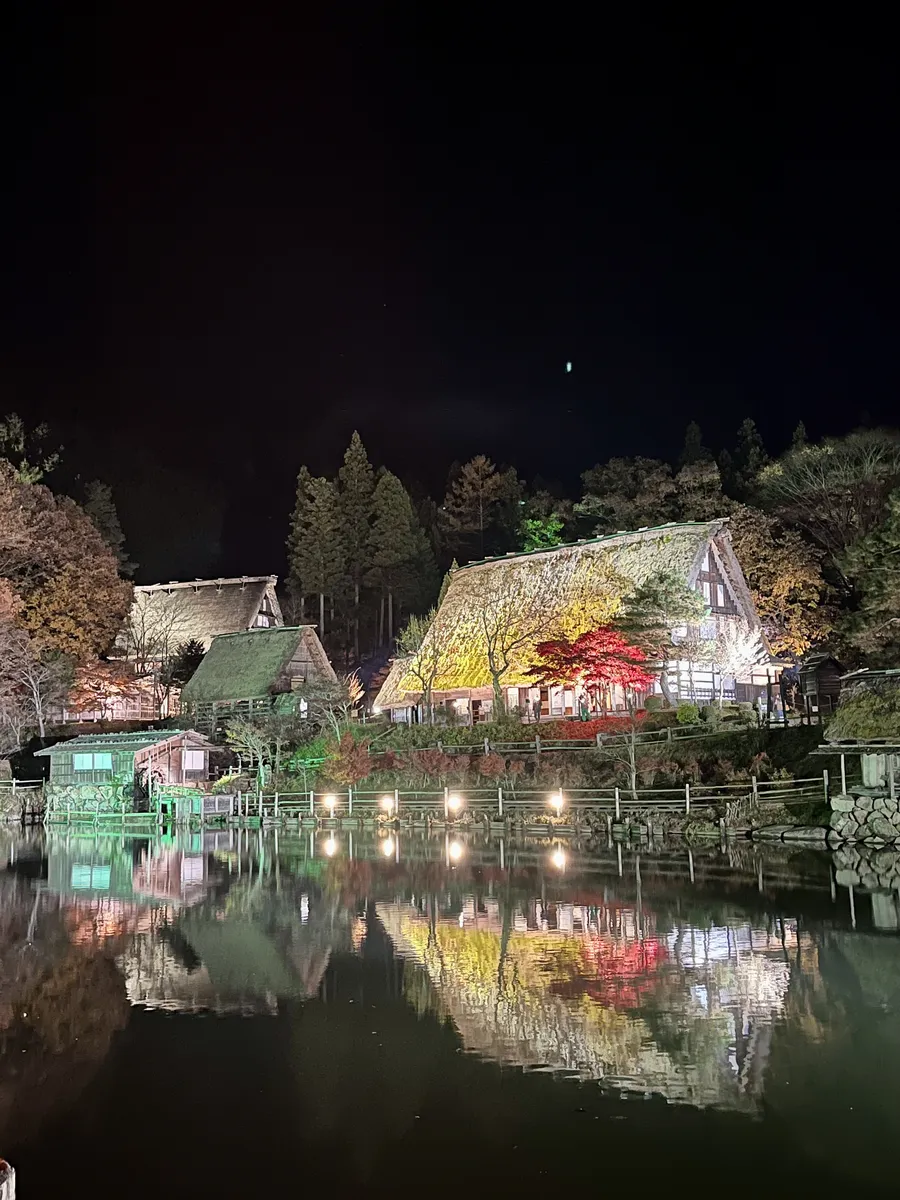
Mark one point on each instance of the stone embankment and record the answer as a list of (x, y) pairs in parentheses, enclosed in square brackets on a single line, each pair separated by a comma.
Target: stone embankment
[(865, 814)]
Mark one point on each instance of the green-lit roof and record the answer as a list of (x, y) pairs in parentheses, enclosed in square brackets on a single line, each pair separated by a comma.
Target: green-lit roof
[(132, 742), (246, 666)]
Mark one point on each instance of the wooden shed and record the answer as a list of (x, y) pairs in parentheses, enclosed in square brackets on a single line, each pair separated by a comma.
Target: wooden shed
[(820, 685), (169, 756)]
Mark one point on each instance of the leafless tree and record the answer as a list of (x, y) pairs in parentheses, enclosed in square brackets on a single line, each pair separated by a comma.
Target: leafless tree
[(739, 648), (28, 681), (424, 640)]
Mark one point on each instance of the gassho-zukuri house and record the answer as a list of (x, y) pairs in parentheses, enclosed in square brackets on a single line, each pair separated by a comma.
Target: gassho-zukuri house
[(580, 586)]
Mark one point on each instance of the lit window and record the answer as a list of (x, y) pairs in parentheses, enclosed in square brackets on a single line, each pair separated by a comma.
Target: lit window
[(720, 595), (262, 621), (194, 760), (705, 589), (93, 762)]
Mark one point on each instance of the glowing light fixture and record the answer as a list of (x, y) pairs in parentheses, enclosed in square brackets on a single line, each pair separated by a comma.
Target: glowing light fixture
[(455, 850), (387, 803), (387, 847), (330, 802), (454, 803), (557, 803)]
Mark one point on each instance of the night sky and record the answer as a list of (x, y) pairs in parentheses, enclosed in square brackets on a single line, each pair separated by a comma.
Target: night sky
[(227, 246)]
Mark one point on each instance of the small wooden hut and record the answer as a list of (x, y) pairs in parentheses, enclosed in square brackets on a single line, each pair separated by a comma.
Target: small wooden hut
[(168, 756), (820, 685)]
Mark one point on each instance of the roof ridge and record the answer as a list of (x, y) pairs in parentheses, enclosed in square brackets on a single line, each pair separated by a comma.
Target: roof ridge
[(642, 531), (228, 581)]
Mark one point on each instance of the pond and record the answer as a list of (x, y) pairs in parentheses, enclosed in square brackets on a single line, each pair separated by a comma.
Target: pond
[(240, 1013)]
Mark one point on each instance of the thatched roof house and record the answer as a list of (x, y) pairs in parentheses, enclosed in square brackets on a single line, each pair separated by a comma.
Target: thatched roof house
[(567, 591), (165, 615), (245, 671)]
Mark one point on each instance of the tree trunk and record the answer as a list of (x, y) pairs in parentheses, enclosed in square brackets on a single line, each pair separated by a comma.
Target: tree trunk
[(664, 685), (390, 617), (499, 702), (381, 622), (356, 621), (322, 615)]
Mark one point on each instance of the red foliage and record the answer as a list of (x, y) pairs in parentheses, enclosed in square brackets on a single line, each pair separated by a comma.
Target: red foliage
[(349, 761), (433, 764), (599, 658), (563, 731), (492, 766)]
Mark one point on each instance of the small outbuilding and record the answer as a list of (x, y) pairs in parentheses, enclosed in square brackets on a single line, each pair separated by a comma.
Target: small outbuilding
[(244, 673), (820, 685), (167, 756)]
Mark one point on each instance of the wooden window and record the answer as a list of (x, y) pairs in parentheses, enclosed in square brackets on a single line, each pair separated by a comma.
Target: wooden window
[(195, 760), (93, 762)]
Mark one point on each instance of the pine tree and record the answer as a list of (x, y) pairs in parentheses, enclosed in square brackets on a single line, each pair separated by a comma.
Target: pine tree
[(393, 544), (799, 438), (873, 564), (478, 498), (693, 450), (357, 485), (750, 458), (650, 614), (100, 507), (315, 544)]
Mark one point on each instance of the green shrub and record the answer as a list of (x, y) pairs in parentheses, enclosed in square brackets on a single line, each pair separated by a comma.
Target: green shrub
[(655, 703), (687, 714), (870, 713)]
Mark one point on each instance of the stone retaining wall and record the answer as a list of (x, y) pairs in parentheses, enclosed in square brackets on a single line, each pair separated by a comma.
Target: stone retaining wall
[(865, 815)]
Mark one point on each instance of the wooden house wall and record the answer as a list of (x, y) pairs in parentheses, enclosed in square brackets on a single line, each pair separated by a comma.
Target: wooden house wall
[(62, 766), (166, 761), (303, 667)]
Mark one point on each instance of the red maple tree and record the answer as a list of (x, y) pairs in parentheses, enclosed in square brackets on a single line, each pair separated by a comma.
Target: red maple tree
[(599, 658)]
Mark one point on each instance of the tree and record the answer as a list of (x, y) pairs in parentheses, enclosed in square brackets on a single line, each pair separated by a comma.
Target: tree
[(627, 493), (24, 449), (424, 641), (394, 544), (97, 685), (100, 507), (595, 661), (693, 450), (508, 621), (356, 493), (798, 437), (784, 574), (836, 490), (749, 459), (184, 662), (315, 543), (873, 564), (330, 704), (29, 682), (72, 600), (698, 492), (648, 616), (739, 648), (541, 533), (477, 500)]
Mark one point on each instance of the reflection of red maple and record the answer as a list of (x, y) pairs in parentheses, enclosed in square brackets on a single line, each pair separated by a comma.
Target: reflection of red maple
[(615, 972)]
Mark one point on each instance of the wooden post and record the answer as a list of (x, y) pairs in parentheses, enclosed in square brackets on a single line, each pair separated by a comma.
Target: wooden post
[(396, 803), (312, 803), (350, 801), (825, 781), (598, 740), (500, 800), (446, 804), (892, 791), (755, 782), (487, 746), (687, 799), (537, 743), (276, 806), (618, 806), (843, 775)]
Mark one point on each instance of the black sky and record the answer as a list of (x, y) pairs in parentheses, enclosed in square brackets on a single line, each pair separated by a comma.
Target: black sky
[(229, 245)]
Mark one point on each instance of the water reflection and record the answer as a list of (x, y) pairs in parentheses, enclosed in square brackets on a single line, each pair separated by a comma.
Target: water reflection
[(731, 978)]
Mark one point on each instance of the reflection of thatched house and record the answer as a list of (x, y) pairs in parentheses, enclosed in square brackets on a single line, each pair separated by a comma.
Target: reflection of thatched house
[(567, 591), (246, 672)]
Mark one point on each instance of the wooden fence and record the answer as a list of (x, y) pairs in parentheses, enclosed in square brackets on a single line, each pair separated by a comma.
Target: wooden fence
[(453, 804)]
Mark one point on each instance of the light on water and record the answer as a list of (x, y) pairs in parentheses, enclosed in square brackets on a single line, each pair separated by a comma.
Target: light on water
[(532, 989)]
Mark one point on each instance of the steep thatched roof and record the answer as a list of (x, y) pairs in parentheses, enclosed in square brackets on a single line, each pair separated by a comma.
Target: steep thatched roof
[(202, 609), (391, 694), (252, 665), (566, 591)]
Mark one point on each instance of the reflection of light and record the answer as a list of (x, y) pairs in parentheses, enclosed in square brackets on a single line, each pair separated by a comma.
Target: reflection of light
[(330, 847), (454, 803), (559, 859), (455, 851), (387, 803), (387, 847)]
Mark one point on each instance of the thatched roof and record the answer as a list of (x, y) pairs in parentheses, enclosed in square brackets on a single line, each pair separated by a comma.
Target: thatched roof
[(203, 608), (253, 665), (390, 694), (567, 591)]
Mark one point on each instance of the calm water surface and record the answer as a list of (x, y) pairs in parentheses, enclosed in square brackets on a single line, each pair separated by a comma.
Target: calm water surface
[(244, 1015)]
